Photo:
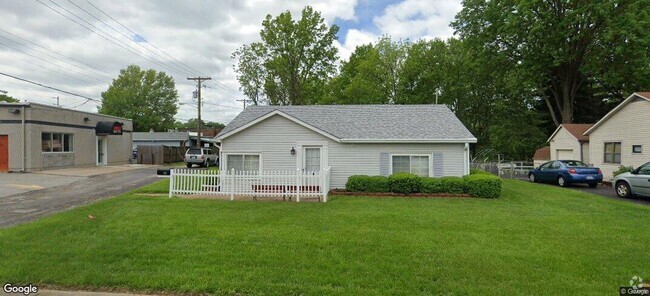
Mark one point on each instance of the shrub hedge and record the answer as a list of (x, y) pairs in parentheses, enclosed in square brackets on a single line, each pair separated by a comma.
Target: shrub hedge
[(363, 183), (431, 185), (478, 172), (404, 183), (482, 185), (485, 186), (454, 185)]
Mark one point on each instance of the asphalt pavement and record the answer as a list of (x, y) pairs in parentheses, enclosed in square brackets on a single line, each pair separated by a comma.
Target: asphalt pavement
[(73, 192)]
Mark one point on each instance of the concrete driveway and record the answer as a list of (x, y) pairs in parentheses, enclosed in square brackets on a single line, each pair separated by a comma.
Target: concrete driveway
[(44, 193)]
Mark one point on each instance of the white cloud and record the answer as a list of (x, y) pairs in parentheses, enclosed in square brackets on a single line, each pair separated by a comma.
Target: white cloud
[(415, 19), (201, 34)]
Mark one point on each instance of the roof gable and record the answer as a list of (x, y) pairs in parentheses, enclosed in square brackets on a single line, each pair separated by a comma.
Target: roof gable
[(637, 95), (364, 123), (575, 129)]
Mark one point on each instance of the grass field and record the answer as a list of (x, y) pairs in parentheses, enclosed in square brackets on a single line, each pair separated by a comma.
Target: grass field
[(535, 239)]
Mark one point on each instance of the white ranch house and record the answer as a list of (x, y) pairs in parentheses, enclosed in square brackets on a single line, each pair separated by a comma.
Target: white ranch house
[(622, 137), (427, 140), (336, 142)]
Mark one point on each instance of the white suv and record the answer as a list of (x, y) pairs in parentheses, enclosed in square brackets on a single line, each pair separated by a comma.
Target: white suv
[(201, 156)]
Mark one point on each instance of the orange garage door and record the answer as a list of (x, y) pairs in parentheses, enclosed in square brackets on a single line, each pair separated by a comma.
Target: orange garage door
[(4, 153)]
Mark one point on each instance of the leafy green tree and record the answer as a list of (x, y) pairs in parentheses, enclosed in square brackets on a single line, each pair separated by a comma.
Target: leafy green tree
[(147, 97), (294, 60), (560, 46), (8, 99), (193, 123)]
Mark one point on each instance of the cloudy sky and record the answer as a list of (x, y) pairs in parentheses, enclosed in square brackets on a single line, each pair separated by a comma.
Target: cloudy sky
[(80, 45)]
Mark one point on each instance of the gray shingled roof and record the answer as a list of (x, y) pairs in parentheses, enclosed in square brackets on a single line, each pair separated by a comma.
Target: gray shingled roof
[(368, 122)]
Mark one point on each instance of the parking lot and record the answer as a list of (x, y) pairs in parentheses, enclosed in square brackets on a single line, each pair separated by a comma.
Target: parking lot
[(29, 196)]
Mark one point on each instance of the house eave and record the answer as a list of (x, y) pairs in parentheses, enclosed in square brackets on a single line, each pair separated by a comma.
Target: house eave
[(411, 141)]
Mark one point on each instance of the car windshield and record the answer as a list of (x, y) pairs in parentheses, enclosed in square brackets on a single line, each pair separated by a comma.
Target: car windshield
[(574, 163), (194, 151)]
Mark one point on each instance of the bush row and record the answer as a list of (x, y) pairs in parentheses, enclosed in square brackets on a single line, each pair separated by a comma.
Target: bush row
[(478, 184)]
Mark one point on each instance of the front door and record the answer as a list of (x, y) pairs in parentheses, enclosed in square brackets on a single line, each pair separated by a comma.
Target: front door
[(312, 161), (101, 151), (4, 153)]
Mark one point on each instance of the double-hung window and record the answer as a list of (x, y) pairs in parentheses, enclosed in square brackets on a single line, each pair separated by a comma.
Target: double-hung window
[(612, 152), (243, 162), (414, 164)]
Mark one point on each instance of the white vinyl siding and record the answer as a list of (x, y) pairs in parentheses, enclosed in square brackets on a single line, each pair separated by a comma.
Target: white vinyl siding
[(565, 146), (274, 137), (630, 127)]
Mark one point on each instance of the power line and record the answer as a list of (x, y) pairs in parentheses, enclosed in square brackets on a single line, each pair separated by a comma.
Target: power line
[(55, 52), (227, 90), (49, 62), (41, 66), (119, 32), (50, 87), (127, 47)]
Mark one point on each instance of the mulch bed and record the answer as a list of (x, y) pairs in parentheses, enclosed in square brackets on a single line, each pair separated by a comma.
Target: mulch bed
[(390, 194)]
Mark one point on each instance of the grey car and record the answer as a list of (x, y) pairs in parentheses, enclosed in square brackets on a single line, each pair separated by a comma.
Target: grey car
[(636, 182), (200, 156)]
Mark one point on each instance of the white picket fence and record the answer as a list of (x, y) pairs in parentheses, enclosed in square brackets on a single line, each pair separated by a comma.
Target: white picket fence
[(285, 184)]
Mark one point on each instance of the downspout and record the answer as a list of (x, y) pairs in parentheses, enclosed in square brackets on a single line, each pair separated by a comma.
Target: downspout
[(22, 170), (466, 161)]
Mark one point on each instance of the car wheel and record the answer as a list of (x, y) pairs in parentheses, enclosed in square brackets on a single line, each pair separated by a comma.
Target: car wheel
[(532, 178), (189, 165), (207, 163), (593, 185), (561, 181), (623, 190)]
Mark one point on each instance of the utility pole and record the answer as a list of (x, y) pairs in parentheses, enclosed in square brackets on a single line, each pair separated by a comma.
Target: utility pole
[(198, 132), (57, 100), (244, 101)]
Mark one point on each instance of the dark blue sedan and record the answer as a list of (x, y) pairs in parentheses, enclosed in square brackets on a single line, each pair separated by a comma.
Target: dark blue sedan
[(565, 172)]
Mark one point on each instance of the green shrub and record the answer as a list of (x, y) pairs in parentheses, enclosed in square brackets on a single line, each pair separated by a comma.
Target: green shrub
[(483, 186), (404, 183), (478, 172), (363, 183), (623, 169), (453, 185), (431, 185)]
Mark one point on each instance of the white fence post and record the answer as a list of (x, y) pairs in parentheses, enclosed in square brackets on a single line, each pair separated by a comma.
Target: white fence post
[(232, 184), (171, 182)]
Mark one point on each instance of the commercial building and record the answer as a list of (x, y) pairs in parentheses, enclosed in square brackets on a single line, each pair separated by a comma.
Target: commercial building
[(36, 137)]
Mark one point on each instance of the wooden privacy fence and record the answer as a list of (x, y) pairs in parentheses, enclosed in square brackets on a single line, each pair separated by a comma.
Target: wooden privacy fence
[(160, 154), (285, 184)]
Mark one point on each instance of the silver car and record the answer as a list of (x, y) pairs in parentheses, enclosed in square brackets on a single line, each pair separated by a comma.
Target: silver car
[(636, 182), (201, 156)]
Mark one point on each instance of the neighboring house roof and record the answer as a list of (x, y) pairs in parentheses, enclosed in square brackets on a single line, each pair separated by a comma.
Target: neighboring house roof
[(543, 153), (575, 129), (364, 123), (161, 136), (636, 95)]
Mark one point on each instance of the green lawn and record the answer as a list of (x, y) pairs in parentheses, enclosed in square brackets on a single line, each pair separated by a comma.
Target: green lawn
[(535, 239)]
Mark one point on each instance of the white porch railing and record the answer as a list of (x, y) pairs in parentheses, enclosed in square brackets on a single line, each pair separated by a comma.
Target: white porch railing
[(285, 184)]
